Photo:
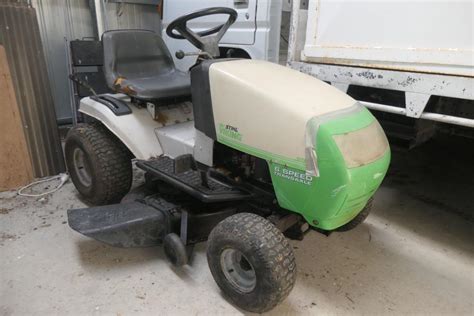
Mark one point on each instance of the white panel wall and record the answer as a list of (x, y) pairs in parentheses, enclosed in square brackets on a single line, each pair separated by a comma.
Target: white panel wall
[(424, 35)]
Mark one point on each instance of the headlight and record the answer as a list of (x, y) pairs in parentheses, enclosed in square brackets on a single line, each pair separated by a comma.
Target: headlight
[(362, 146)]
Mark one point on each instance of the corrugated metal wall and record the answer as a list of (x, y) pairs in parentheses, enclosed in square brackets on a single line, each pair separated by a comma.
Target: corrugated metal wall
[(19, 34), (59, 21), (64, 20), (132, 16)]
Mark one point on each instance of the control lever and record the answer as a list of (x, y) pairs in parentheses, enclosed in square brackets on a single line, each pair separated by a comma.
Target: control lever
[(80, 82), (180, 54)]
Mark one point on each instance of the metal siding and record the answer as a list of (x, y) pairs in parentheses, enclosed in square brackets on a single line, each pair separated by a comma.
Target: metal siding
[(133, 16), (57, 23), (62, 20), (434, 36), (21, 38)]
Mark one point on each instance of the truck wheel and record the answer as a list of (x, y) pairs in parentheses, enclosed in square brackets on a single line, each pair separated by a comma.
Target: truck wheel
[(356, 221), (99, 164), (251, 261)]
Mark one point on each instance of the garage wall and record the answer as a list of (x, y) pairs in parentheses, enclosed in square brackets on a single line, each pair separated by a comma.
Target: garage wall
[(19, 35), (61, 21)]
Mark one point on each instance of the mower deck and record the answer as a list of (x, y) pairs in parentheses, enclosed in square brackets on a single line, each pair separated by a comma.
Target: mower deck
[(132, 224), (145, 221)]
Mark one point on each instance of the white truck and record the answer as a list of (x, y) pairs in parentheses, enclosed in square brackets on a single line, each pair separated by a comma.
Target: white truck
[(411, 61), (255, 34)]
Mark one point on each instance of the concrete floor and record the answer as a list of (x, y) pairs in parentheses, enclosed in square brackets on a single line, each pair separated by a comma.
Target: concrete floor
[(414, 255)]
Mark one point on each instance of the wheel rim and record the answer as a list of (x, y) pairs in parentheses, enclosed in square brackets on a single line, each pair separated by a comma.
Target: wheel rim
[(81, 167), (238, 270)]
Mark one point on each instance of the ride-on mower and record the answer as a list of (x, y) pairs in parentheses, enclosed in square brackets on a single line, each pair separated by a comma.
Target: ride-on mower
[(262, 151)]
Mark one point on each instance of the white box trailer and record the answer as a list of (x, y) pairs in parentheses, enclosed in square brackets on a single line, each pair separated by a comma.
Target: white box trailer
[(421, 49)]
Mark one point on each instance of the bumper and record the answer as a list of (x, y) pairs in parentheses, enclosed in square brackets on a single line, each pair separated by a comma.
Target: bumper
[(362, 185)]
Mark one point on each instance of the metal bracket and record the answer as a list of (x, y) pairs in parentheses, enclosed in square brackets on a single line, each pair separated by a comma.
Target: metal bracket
[(415, 103), (184, 163), (341, 86), (184, 227)]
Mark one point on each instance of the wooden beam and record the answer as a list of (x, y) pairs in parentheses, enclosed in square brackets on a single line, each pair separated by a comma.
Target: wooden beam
[(15, 161)]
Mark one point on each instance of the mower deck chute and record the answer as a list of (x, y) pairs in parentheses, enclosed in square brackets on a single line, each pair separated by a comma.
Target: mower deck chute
[(121, 225)]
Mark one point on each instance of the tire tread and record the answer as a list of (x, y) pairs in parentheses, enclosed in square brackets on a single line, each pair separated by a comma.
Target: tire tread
[(270, 246), (113, 161), (359, 219)]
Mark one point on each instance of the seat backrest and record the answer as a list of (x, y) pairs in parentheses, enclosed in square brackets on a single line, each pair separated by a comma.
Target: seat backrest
[(134, 54), (87, 59), (86, 53)]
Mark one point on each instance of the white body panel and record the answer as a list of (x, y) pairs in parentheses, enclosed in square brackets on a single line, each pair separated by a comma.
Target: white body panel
[(181, 139), (257, 31), (429, 36), (270, 104), (177, 139), (137, 130)]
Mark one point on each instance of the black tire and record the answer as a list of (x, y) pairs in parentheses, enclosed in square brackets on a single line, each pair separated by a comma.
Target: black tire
[(266, 262), (104, 173), (175, 250), (359, 219)]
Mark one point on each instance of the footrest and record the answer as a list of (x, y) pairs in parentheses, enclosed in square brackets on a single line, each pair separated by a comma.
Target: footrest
[(190, 181)]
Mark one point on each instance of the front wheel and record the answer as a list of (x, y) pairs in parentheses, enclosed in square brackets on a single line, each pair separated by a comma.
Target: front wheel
[(359, 219), (99, 164), (251, 261)]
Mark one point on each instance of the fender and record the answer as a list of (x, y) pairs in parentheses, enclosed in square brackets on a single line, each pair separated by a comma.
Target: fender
[(135, 130)]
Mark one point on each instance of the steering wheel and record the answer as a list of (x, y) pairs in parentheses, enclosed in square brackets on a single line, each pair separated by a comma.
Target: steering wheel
[(202, 40)]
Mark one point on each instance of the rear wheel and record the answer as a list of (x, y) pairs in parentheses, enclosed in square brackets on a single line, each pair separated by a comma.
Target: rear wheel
[(251, 261), (99, 164), (359, 219)]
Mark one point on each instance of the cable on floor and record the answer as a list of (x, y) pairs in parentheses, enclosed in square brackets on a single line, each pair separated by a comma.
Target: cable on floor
[(63, 177)]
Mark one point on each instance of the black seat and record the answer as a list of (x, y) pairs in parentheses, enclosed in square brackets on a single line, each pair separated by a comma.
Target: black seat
[(138, 63)]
